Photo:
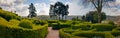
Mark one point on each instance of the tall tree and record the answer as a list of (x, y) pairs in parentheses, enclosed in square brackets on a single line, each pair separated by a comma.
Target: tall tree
[(92, 17), (0, 7), (32, 11), (59, 9), (98, 4)]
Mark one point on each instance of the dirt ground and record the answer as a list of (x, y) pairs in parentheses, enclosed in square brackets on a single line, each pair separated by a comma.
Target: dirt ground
[(52, 33)]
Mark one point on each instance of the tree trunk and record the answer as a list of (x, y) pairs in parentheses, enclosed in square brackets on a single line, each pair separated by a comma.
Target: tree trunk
[(99, 15)]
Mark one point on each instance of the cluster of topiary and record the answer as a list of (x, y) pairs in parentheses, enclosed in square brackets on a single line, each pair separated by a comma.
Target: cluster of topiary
[(9, 15), (12, 27), (89, 30)]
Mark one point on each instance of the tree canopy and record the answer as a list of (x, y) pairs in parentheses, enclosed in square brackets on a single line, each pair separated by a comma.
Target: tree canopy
[(98, 4), (32, 11), (59, 9), (92, 17)]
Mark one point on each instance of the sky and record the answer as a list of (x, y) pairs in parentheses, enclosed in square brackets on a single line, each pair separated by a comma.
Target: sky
[(43, 6)]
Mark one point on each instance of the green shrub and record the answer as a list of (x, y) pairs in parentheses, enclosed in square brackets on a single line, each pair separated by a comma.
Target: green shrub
[(103, 27), (26, 24), (82, 26), (8, 32), (108, 35), (63, 34), (8, 15), (38, 22), (115, 33), (58, 26), (53, 21), (89, 34), (111, 22)]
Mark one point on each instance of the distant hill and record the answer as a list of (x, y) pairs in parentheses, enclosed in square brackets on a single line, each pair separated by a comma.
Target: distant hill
[(113, 18), (46, 17)]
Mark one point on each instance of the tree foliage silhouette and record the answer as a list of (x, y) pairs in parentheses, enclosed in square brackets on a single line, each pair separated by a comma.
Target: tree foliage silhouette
[(59, 9), (92, 17), (98, 4), (32, 11)]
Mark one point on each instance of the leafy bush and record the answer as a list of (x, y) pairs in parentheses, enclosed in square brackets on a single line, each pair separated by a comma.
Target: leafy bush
[(8, 15), (38, 22), (58, 26), (26, 24), (53, 21), (111, 22), (63, 34), (108, 35), (82, 26), (8, 32), (89, 34), (103, 27), (11, 30)]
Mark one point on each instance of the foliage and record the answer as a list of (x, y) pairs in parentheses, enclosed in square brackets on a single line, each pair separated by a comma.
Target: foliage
[(26, 24), (111, 22), (98, 4), (8, 15), (0, 7), (58, 26), (92, 17), (32, 11), (59, 9), (103, 27), (12, 29), (39, 22), (62, 34)]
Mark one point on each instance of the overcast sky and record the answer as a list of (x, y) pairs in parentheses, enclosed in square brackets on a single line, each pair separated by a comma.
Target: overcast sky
[(42, 7)]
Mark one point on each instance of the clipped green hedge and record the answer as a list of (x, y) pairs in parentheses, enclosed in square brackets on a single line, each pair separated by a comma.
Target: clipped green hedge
[(9, 15), (7, 32), (10, 30), (26, 24), (39, 22), (63, 34), (89, 34), (103, 27), (82, 26), (58, 26)]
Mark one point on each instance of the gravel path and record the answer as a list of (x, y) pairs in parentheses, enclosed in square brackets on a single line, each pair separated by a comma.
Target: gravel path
[(52, 33)]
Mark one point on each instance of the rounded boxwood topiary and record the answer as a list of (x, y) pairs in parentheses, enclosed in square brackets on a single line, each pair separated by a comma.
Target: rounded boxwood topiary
[(25, 24)]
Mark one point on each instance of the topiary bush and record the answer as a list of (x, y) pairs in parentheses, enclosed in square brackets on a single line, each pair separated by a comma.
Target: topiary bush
[(26, 24), (39, 22), (58, 26), (111, 22), (63, 34), (9, 15), (11, 30), (103, 27)]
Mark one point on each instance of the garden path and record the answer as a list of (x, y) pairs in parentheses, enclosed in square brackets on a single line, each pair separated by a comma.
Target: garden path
[(52, 33)]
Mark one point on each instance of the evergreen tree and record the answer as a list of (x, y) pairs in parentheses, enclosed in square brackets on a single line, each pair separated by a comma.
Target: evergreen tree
[(59, 10), (32, 11)]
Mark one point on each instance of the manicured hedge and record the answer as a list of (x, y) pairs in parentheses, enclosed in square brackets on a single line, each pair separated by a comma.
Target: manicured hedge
[(88, 30), (10, 30), (7, 32), (82, 26), (89, 34), (9, 15), (103, 27), (26, 24), (63, 34), (58, 26)]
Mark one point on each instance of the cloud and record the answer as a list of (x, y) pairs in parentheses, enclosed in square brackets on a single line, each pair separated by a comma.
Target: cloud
[(15, 5), (42, 8), (75, 7)]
